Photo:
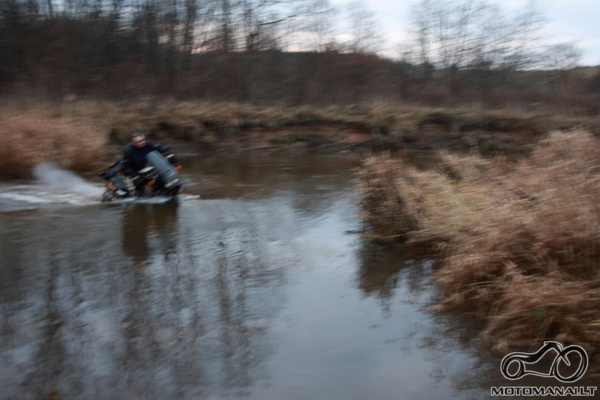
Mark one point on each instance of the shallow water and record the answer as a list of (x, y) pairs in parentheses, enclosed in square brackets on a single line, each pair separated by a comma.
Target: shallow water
[(257, 289)]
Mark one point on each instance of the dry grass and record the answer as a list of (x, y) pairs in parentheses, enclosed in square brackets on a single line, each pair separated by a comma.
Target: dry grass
[(72, 132), (34, 136), (519, 243)]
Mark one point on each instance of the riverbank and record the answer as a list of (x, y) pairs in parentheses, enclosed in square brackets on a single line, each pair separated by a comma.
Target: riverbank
[(85, 135), (517, 243)]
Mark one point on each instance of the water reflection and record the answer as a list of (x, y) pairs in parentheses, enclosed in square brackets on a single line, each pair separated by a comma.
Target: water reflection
[(77, 318), (383, 270), (256, 175), (453, 356), (149, 228)]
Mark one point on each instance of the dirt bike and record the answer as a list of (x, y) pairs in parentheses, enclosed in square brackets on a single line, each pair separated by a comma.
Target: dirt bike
[(159, 179)]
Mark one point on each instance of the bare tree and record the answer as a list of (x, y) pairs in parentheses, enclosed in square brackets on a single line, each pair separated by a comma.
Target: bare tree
[(312, 29), (366, 36), (473, 32)]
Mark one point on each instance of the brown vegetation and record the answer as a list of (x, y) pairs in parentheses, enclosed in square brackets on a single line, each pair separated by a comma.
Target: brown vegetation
[(517, 242), (79, 134), (32, 137)]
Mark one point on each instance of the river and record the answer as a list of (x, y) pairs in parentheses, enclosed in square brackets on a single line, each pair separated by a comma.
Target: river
[(254, 285)]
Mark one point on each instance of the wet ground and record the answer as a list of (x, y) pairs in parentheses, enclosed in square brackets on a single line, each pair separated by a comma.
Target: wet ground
[(253, 285)]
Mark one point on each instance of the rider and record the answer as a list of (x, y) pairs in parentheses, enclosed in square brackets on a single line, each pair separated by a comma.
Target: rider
[(134, 154)]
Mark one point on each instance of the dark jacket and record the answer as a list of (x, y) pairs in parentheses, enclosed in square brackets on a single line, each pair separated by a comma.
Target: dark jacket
[(134, 158)]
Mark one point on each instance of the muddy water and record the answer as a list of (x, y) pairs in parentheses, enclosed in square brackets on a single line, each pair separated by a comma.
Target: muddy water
[(259, 289)]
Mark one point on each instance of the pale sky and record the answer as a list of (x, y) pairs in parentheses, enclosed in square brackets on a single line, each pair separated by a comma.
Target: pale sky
[(574, 21)]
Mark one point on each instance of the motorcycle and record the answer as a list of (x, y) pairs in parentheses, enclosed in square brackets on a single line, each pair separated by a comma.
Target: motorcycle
[(159, 179)]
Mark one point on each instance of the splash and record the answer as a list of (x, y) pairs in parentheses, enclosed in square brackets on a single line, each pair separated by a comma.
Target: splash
[(55, 185), (55, 178)]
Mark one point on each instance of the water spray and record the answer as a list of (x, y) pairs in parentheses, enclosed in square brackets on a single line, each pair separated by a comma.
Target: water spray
[(55, 178)]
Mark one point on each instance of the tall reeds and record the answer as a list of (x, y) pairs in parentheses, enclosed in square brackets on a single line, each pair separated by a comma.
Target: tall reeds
[(31, 137), (516, 242)]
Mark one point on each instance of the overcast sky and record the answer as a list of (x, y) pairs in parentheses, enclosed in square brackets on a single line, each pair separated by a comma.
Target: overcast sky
[(575, 21)]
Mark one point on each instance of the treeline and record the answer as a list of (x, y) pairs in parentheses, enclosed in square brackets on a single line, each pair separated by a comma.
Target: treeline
[(269, 51)]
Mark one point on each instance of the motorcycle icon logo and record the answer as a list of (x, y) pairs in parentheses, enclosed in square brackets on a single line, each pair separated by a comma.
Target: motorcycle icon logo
[(576, 353)]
